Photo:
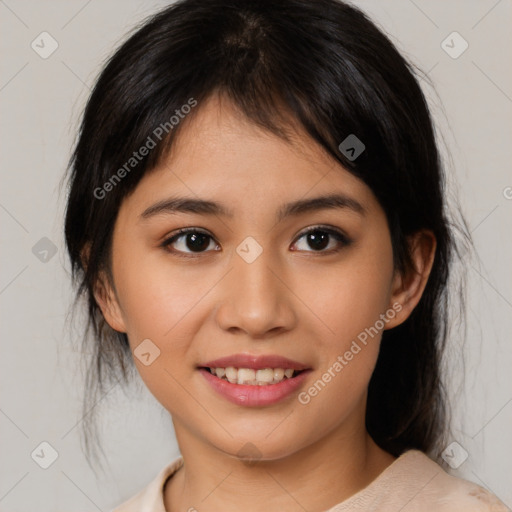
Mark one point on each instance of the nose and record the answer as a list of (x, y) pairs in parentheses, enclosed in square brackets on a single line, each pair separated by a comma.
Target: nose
[(256, 299)]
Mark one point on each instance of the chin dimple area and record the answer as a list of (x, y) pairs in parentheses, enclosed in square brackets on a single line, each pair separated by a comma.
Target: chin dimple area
[(248, 376)]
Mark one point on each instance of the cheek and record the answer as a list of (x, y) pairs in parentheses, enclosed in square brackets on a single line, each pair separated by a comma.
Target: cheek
[(351, 295), (165, 303), (350, 303), (156, 295), (157, 303)]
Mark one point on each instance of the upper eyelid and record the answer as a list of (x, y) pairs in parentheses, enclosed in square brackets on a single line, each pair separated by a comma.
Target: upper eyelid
[(192, 229)]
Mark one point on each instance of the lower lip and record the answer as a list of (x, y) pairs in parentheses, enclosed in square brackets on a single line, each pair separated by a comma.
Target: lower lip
[(254, 396)]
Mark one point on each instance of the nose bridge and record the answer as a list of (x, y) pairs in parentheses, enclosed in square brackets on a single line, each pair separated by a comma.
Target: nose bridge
[(255, 276), (255, 299)]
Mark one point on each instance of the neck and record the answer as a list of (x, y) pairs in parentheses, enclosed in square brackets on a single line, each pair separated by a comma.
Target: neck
[(314, 478)]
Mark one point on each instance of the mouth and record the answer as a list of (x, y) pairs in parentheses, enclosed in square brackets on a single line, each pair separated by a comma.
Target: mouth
[(254, 380), (252, 377)]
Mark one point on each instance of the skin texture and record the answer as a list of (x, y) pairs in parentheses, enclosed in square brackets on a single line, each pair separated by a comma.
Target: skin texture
[(292, 301)]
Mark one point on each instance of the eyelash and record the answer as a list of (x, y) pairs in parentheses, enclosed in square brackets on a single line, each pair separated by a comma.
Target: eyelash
[(338, 235)]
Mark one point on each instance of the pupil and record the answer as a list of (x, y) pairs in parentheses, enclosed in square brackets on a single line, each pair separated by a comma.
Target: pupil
[(197, 241), (318, 240)]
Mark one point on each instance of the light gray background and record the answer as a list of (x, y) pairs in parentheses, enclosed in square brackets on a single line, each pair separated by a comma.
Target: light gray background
[(41, 100)]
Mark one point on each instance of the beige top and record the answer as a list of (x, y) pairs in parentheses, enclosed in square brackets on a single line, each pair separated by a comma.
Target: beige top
[(411, 483)]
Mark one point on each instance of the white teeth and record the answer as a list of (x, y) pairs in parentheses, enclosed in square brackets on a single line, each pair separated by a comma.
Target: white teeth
[(278, 374), (245, 376), (231, 374), (266, 376), (248, 376)]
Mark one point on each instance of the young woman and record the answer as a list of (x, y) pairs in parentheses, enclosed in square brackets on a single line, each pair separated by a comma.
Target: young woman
[(257, 221)]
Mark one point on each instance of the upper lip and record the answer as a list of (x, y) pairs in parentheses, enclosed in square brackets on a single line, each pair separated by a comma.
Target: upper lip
[(255, 362)]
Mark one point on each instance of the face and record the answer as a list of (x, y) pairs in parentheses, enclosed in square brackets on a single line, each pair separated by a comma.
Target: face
[(255, 283)]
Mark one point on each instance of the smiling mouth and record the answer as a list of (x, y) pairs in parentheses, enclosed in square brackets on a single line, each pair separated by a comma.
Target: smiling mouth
[(253, 377)]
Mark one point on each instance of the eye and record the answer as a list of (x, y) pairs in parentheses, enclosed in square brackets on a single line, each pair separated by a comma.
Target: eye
[(189, 241), (194, 241), (318, 238)]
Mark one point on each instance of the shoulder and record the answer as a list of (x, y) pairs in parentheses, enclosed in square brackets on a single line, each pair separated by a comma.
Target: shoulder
[(437, 490), (150, 498), (452, 494), (415, 483)]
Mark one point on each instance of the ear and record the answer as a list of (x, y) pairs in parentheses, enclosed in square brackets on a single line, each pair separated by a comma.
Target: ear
[(107, 300), (408, 287), (105, 296)]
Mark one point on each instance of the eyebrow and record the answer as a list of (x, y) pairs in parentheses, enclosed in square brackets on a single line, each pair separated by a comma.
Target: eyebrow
[(204, 207)]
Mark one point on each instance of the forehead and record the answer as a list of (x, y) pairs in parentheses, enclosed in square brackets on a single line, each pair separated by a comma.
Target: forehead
[(221, 155), (219, 129)]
